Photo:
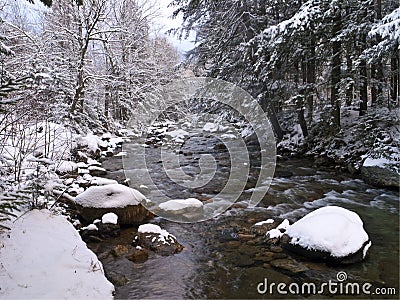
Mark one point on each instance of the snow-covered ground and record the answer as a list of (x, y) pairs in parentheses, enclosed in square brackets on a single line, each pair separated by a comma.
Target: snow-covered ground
[(44, 257)]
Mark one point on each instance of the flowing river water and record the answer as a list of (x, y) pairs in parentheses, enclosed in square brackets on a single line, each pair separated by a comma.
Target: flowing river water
[(218, 263)]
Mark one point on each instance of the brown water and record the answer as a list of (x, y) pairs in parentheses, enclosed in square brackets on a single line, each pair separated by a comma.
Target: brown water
[(216, 263)]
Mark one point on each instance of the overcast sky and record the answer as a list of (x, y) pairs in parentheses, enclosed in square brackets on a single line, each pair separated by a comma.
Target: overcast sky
[(164, 22)]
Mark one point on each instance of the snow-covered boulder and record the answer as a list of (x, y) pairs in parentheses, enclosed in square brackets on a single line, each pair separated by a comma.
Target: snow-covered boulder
[(152, 237), (66, 166), (185, 208), (93, 144), (328, 233), (117, 198), (381, 172), (97, 171), (213, 127)]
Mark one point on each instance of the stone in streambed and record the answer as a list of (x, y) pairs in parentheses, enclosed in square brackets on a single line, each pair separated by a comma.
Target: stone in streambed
[(120, 250), (152, 237), (117, 279), (262, 227), (138, 255), (243, 261), (289, 265)]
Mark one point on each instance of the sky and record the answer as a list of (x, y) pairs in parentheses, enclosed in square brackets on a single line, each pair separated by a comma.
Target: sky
[(159, 11), (164, 22)]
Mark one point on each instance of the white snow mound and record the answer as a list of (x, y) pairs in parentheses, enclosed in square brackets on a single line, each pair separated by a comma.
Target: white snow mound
[(109, 196), (333, 229), (179, 204), (66, 166), (109, 218), (45, 258)]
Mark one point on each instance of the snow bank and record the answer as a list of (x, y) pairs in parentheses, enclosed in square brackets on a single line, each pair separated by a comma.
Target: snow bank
[(92, 142), (45, 258), (179, 204), (50, 139), (377, 162), (332, 229), (109, 196), (66, 166)]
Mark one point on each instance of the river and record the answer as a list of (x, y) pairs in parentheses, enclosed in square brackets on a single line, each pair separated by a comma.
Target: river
[(216, 263)]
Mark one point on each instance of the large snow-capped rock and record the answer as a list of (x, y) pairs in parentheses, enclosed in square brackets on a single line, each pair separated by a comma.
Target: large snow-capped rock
[(381, 172), (116, 198), (332, 233)]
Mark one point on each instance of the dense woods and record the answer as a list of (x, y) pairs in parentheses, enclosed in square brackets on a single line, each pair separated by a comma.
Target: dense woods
[(89, 63), (313, 56)]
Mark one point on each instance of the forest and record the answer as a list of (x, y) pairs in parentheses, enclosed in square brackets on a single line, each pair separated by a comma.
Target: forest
[(76, 79)]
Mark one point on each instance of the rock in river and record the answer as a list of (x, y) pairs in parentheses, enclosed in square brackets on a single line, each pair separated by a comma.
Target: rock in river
[(381, 172), (116, 198), (152, 237), (329, 233)]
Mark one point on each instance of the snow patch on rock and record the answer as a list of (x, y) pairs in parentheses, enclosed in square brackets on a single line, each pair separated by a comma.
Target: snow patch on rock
[(179, 204), (109, 218), (109, 196)]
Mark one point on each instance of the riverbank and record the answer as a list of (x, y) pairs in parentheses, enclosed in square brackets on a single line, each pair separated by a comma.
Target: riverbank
[(367, 145)]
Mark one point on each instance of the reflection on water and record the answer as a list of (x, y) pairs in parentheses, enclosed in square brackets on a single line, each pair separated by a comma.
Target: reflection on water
[(217, 264)]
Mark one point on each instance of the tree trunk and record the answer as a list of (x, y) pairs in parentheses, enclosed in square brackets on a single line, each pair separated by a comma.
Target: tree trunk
[(106, 105), (394, 79), (363, 78), (377, 68), (335, 74), (268, 107), (349, 85), (275, 122), (311, 79)]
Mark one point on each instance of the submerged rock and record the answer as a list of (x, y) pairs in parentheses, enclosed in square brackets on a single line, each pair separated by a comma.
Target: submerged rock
[(289, 265), (117, 279), (119, 250), (138, 255)]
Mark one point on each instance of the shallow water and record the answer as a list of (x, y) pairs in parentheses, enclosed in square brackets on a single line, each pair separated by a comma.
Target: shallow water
[(217, 264)]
